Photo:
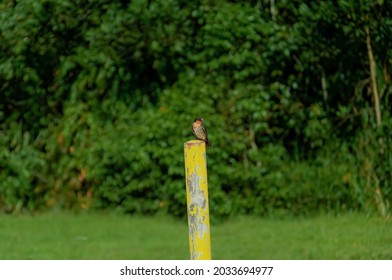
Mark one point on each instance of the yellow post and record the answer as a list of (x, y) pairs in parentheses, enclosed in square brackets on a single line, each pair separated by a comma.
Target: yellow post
[(197, 200)]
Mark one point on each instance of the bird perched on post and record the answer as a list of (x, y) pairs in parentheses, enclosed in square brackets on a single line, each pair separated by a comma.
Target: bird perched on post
[(200, 131)]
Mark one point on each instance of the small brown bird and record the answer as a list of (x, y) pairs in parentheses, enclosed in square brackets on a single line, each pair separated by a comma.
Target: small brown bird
[(200, 131)]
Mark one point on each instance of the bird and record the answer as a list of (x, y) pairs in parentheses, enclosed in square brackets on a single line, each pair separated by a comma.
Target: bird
[(200, 131)]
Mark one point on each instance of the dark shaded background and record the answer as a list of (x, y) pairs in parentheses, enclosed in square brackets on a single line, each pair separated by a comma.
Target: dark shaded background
[(97, 99)]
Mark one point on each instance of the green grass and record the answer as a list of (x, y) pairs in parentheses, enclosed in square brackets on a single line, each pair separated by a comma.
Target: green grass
[(109, 236)]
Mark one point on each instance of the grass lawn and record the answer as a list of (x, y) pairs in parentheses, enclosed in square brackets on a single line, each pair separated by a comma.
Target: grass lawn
[(109, 236)]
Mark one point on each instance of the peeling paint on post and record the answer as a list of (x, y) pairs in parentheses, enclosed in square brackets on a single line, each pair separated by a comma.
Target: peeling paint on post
[(197, 200)]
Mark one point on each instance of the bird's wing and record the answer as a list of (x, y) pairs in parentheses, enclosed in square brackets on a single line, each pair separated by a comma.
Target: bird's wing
[(205, 131), (193, 130)]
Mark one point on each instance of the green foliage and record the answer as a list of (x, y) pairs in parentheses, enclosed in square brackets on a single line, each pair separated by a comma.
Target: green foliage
[(20, 171), (98, 99)]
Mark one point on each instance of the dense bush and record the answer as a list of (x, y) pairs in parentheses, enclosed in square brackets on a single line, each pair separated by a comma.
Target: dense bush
[(98, 99)]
